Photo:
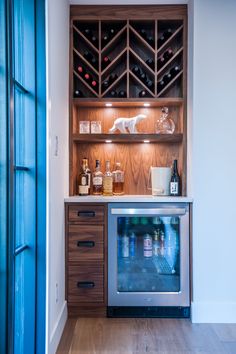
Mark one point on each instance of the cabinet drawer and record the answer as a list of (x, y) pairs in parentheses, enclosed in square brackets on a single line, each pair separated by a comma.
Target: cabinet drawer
[(85, 242), (86, 214), (85, 283)]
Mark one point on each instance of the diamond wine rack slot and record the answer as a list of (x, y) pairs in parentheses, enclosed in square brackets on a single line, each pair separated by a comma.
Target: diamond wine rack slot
[(129, 59)]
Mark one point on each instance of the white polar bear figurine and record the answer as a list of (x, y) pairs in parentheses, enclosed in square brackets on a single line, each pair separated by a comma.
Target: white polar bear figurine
[(122, 124)]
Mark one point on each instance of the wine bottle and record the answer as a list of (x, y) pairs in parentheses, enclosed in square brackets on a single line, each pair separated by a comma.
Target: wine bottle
[(88, 56), (150, 84), (80, 69), (112, 94), (105, 85), (78, 93), (137, 71), (160, 62), (112, 32), (87, 77), (143, 94), (175, 70), (122, 94), (160, 85), (112, 78), (150, 62), (94, 84), (150, 40), (165, 35), (175, 180), (143, 33), (105, 62), (105, 40), (143, 77), (168, 54), (87, 32), (94, 62), (94, 40), (167, 78)]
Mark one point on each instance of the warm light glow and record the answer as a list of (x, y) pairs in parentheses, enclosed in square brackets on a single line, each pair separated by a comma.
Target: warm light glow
[(146, 104), (108, 141), (146, 141), (108, 105)]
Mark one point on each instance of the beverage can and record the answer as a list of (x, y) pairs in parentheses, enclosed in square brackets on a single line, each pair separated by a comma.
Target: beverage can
[(147, 245), (156, 244), (135, 220), (162, 244), (125, 246), (144, 220), (132, 245)]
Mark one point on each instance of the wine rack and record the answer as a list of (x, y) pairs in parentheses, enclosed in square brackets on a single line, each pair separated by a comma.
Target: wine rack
[(124, 61), (128, 59)]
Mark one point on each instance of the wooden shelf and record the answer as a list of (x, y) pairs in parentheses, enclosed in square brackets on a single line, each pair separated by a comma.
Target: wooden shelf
[(128, 138), (130, 102)]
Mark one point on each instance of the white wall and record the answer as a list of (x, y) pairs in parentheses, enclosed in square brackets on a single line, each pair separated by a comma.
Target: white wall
[(214, 162), (57, 164)]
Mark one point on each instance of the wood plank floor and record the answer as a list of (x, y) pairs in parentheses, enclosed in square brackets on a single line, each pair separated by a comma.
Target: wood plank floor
[(161, 336)]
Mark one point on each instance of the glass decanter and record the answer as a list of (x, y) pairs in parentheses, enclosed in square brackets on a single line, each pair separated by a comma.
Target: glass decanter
[(165, 124)]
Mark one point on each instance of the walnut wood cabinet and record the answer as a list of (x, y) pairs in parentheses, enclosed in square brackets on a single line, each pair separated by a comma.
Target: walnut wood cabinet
[(86, 259)]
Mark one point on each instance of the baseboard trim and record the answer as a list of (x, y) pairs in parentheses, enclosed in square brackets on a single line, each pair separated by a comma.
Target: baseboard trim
[(58, 330), (213, 312)]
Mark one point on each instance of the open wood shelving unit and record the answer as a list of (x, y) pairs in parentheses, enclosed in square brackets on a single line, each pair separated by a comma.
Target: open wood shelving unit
[(126, 48)]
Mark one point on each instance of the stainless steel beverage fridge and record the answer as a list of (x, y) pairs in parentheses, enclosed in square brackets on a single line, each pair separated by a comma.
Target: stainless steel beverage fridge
[(148, 260)]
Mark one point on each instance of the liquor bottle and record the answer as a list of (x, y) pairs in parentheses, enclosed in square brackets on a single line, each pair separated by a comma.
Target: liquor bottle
[(83, 180), (105, 62), (118, 180), (107, 181), (112, 78), (175, 70), (122, 94), (97, 179), (150, 62), (175, 180), (88, 172), (143, 94), (112, 94)]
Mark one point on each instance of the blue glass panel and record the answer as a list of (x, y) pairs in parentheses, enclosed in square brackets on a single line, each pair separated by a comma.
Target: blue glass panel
[(3, 180), (148, 258)]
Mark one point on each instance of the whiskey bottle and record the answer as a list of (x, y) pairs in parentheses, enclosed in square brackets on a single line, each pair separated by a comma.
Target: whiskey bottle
[(97, 179), (118, 180), (107, 181), (88, 172), (83, 180), (175, 180)]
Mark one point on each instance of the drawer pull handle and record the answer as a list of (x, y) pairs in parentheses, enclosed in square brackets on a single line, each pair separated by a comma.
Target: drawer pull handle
[(85, 284), (86, 244), (87, 214)]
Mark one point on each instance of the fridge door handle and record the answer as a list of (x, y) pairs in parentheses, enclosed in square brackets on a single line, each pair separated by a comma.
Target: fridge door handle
[(158, 211)]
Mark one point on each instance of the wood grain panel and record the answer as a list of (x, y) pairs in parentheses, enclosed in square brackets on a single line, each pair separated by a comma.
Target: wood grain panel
[(124, 12), (135, 159), (91, 273), (80, 251), (88, 214), (87, 310)]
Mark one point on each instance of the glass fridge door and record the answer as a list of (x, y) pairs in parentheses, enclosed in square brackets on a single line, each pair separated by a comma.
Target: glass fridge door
[(148, 254)]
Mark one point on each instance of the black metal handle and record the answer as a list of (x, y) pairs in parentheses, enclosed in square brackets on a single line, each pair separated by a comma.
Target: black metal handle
[(88, 214), (85, 284), (86, 244)]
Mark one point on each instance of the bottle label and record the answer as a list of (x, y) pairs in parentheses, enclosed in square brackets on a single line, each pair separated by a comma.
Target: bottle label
[(174, 188), (83, 189), (83, 181), (97, 181), (107, 184)]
